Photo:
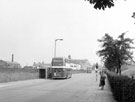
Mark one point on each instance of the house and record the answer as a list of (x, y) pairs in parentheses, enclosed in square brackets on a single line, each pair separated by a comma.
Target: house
[(41, 65), (82, 63), (9, 64)]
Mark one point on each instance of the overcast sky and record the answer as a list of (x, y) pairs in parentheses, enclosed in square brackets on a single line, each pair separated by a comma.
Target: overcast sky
[(28, 28)]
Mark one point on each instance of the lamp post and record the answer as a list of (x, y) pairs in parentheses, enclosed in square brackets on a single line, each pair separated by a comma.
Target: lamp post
[(55, 46)]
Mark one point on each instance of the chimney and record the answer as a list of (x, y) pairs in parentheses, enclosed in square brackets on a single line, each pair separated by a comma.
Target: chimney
[(12, 57)]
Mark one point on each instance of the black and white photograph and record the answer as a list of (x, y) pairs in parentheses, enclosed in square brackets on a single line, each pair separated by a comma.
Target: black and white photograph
[(67, 50)]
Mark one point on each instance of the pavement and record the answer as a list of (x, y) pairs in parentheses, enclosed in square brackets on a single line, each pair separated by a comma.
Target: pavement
[(89, 89), (95, 94)]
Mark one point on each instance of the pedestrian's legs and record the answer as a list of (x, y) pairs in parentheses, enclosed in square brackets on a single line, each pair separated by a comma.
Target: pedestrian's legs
[(102, 84), (102, 87)]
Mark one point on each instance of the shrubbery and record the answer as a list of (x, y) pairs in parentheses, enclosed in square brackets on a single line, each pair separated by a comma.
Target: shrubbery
[(123, 87)]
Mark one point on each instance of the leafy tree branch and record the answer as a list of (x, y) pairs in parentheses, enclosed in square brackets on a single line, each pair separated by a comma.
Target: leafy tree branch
[(115, 52)]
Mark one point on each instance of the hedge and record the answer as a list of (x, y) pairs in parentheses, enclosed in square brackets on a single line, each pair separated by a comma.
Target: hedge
[(123, 87)]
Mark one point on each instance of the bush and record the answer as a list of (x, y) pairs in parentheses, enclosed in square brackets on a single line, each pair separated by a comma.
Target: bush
[(123, 87)]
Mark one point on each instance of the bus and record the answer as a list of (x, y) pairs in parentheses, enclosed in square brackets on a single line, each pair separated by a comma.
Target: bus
[(61, 68)]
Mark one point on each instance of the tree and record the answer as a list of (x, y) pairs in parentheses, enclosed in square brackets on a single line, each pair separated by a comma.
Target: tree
[(133, 16), (101, 4), (124, 52), (115, 52), (107, 53)]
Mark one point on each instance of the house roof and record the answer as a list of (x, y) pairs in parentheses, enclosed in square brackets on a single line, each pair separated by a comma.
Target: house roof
[(10, 62), (78, 61)]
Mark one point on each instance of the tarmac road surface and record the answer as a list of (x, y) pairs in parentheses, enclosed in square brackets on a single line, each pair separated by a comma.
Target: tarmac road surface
[(80, 88)]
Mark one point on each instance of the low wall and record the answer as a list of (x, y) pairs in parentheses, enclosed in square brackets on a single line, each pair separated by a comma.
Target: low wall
[(15, 74)]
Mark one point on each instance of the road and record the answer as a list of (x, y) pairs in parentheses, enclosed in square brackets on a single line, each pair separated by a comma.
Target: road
[(80, 88)]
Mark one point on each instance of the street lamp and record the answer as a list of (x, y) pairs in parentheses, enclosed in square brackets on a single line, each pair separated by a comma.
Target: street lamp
[(55, 46)]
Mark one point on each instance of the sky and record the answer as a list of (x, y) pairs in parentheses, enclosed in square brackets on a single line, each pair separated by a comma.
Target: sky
[(28, 28)]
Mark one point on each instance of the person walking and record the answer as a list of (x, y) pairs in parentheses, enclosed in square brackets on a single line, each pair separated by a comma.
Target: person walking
[(102, 80)]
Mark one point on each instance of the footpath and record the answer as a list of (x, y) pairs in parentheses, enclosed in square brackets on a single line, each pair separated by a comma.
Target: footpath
[(94, 92)]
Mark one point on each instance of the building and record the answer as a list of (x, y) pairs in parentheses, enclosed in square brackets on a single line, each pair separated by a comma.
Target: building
[(9, 64), (3, 64), (75, 66), (41, 65), (81, 63)]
